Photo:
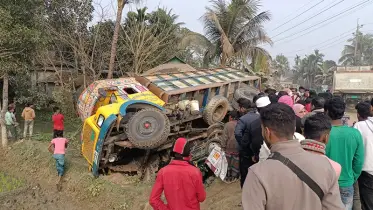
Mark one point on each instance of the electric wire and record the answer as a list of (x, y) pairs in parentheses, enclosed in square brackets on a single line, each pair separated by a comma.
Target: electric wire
[(298, 15), (330, 18), (308, 19)]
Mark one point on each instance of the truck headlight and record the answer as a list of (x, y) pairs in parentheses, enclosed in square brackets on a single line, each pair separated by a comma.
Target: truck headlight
[(100, 120)]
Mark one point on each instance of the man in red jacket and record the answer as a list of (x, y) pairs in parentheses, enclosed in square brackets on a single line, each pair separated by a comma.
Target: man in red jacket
[(58, 121), (180, 181)]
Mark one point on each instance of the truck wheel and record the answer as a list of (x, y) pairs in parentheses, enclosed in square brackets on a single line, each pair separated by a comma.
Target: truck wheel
[(148, 128), (216, 110), (247, 92), (235, 104), (211, 144)]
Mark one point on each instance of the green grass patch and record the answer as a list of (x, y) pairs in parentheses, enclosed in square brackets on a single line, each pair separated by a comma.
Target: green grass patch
[(8, 183)]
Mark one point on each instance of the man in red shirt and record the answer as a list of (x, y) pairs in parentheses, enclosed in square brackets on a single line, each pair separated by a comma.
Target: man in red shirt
[(180, 181), (58, 120)]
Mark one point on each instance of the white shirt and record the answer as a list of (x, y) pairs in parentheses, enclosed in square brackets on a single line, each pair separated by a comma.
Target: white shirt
[(366, 130), (264, 150)]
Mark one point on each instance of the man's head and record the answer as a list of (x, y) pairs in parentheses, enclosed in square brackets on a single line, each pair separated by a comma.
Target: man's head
[(335, 108), (244, 105), (317, 127), (318, 103), (59, 134), (273, 98), (278, 123), (11, 109), (270, 91), (56, 110), (262, 102), (282, 93), (363, 111), (307, 93), (233, 115), (302, 89), (181, 149), (31, 105)]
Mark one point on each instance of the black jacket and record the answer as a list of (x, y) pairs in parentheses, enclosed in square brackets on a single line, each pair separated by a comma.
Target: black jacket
[(248, 134)]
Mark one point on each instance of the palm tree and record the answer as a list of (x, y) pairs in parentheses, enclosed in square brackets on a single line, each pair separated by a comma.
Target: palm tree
[(325, 75), (113, 51), (306, 69), (364, 51), (233, 31), (281, 64)]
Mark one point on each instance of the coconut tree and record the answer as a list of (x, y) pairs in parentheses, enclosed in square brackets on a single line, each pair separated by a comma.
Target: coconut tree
[(325, 75), (281, 64), (233, 31), (363, 49), (306, 69), (113, 51)]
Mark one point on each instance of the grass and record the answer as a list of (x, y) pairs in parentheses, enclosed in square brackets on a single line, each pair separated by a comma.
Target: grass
[(43, 126), (8, 183)]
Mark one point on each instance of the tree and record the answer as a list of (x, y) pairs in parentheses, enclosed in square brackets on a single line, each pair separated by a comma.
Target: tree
[(233, 31), (325, 75), (306, 69), (113, 51), (147, 41), (364, 51), (281, 65), (19, 32)]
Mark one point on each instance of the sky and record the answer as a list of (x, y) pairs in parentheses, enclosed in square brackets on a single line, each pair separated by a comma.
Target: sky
[(297, 27)]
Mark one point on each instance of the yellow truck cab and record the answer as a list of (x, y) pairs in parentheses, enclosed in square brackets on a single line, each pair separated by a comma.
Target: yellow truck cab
[(103, 104)]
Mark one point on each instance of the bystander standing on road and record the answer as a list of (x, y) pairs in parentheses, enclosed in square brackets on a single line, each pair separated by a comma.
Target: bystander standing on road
[(313, 181), (230, 147), (317, 106), (346, 147), (243, 134), (58, 122), (28, 115), (317, 131), (10, 123), (180, 181), (365, 126)]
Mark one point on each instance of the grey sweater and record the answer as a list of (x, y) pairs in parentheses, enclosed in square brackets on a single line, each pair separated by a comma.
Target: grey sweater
[(270, 185)]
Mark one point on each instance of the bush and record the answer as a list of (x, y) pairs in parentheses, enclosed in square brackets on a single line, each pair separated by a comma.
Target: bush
[(63, 97)]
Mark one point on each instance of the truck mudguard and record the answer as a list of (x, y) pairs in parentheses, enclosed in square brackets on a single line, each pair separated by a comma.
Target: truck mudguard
[(100, 141), (123, 107)]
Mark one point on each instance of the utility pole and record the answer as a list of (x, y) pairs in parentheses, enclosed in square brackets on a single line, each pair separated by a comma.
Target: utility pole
[(357, 41)]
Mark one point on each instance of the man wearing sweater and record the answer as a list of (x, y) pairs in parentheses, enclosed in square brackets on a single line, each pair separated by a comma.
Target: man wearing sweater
[(346, 147), (28, 114), (365, 126)]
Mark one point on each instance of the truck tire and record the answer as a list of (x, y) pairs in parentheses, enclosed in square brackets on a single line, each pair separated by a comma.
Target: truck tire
[(235, 105), (247, 92), (216, 110), (148, 128), (210, 144)]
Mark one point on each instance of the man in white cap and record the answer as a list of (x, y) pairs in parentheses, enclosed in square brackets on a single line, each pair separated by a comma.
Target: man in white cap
[(257, 142)]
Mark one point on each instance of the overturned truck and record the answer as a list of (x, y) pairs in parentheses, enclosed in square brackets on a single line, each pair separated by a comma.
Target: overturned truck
[(131, 123)]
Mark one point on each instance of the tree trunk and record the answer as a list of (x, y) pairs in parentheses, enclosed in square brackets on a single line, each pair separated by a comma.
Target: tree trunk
[(113, 51), (4, 136)]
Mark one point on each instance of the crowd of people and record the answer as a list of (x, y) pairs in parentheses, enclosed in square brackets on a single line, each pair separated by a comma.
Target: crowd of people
[(58, 144), (290, 150)]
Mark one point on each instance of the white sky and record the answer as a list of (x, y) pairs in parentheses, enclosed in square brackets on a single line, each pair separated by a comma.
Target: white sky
[(329, 36)]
